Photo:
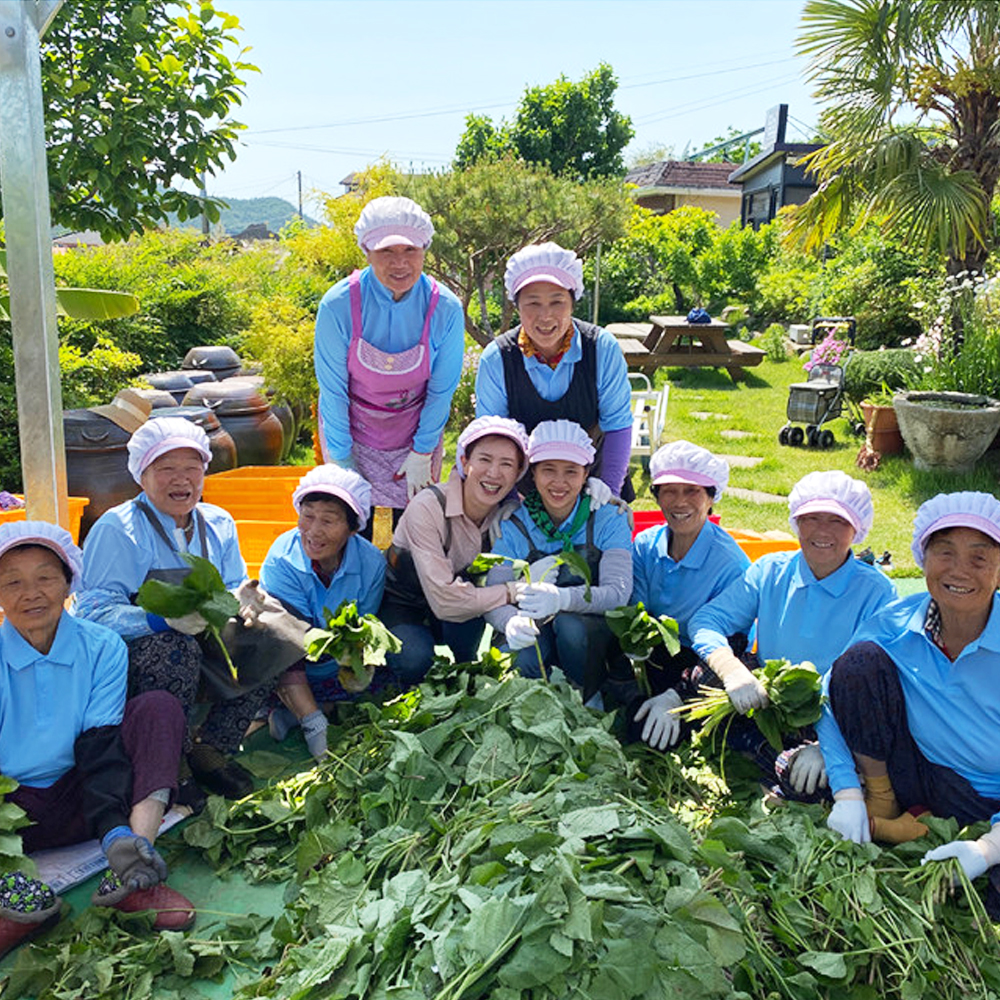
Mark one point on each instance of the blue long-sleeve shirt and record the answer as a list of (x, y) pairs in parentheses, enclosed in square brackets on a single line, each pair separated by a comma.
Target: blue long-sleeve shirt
[(953, 708), (122, 547), (678, 589), (614, 396), (48, 699), (287, 574), (393, 327)]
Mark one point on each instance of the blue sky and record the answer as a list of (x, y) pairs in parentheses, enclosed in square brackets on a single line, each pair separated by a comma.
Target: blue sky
[(344, 83)]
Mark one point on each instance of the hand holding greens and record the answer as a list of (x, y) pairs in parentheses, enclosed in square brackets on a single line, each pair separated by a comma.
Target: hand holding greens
[(357, 642)]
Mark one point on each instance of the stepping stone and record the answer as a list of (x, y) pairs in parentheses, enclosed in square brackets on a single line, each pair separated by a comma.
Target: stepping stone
[(736, 435), (755, 496), (741, 461), (705, 415)]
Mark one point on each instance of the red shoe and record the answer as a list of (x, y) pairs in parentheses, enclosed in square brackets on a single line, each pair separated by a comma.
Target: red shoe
[(14, 932), (174, 912)]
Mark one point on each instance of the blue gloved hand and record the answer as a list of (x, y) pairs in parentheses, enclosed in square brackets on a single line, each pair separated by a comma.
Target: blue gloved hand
[(133, 859)]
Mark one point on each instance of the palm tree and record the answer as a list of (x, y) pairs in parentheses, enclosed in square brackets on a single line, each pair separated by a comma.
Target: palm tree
[(912, 89)]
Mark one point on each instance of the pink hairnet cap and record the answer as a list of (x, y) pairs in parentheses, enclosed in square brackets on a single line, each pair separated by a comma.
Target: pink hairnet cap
[(14, 534), (967, 509), (344, 484), (544, 262), (392, 222), (683, 462), (487, 427), (560, 439), (833, 492), (156, 437)]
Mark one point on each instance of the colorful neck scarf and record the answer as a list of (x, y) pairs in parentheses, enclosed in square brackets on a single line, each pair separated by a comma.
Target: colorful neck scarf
[(529, 350), (540, 516)]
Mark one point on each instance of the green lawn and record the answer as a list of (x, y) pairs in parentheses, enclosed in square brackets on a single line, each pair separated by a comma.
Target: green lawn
[(705, 404)]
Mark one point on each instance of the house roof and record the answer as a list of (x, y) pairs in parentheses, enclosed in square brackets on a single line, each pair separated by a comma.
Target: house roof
[(681, 174), (767, 156)]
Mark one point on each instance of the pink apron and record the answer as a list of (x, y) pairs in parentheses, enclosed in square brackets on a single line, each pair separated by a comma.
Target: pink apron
[(386, 394)]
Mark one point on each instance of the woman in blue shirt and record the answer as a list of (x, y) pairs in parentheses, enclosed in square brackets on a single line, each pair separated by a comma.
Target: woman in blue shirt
[(88, 762), (555, 609), (807, 604), (315, 566), (553, 366), (916, 696), (677, 568)]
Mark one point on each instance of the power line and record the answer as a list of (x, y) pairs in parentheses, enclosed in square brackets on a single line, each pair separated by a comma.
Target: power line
[(712, 102)]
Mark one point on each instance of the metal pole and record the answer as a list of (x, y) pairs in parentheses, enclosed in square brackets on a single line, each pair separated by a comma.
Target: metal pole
[(299, 172), (25, 182), (597, 283)]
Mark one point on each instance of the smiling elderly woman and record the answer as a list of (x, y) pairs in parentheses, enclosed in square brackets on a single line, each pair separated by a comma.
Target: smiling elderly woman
[(916, 696), (554, 367), (89, 763), (145, 539), (807, 604), (389, 348)]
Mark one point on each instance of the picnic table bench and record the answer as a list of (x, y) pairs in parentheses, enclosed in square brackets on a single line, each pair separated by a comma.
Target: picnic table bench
[(672, 341)]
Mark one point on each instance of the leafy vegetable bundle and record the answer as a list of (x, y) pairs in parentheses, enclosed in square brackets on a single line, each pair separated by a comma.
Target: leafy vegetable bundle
[(794, 695), (202, 590), (639, 633), (357, 642)]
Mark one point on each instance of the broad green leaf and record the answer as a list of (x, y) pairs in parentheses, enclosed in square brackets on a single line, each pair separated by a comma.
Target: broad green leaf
[(826, 963), (168, 600), (95, 304), (204, 578)]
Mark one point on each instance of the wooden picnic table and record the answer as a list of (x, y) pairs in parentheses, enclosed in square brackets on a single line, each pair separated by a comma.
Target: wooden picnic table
[(673, 341)]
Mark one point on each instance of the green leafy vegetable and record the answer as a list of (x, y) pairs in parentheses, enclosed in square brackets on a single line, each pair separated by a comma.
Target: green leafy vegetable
[(794, 695), (357, 642), (203, 591)]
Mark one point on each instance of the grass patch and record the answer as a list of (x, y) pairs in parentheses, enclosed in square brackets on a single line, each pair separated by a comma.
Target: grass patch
[(706, 406)]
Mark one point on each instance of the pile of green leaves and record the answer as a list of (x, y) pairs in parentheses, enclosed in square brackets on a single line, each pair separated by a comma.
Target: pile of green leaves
[(202, 590), (357, 642), (794, 695)]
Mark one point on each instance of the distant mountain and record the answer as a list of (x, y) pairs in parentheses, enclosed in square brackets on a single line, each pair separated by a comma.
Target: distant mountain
[(242, 212)]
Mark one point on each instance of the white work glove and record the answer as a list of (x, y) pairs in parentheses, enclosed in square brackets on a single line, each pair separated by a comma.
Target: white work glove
[(807, 769), (598, 491), (744, 690), (975, 856), (849, 817), (251, 599), (542, 600), (663, 727), (417, 469), (520, 632), (189, 624), (540, 568)]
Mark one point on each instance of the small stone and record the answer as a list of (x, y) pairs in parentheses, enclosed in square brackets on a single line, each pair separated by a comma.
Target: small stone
[(736, 435)]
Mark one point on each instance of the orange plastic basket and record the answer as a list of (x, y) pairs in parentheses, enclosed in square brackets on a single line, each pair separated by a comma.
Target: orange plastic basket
[(76, 505)]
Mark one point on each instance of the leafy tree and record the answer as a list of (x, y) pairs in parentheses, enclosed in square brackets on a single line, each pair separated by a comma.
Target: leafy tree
[(653, 152), (734, 153), (573, 128), (486, 213), (137, 96), (931, 178)]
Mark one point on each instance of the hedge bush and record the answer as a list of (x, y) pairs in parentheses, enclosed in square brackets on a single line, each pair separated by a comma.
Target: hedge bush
[(867, 371)]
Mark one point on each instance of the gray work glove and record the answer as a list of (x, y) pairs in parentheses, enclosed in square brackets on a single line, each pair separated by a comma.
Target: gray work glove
[(135, 861)]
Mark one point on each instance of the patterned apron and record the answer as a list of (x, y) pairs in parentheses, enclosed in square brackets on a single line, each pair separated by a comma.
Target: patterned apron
[(386, 394)]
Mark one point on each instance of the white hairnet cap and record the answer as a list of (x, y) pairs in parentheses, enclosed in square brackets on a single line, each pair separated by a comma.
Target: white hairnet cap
[(967, 509), (544, 262), (833, 492), (487, 426), (389, 222), (156, 437), (16, 533), (683, 462), (561, 439), (344, 484)]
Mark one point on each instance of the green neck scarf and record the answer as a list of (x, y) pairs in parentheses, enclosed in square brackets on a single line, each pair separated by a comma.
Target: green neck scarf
[(540, 516)]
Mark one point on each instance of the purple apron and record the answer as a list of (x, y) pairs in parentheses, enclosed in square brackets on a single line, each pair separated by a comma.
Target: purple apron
[(386, 394)]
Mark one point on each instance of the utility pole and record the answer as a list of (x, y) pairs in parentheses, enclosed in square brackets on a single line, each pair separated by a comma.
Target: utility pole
[(299, 173), (597, 283), (203, 191)]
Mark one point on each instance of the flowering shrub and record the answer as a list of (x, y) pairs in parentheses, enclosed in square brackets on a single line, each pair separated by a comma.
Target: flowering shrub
[(959, 350), (829, 351)]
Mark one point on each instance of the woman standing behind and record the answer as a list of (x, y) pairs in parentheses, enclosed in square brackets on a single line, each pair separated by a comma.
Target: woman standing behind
[(389, 347), (554, 367), (428, 599), (556, 608)]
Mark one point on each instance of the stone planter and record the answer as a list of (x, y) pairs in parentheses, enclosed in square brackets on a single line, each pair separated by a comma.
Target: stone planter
[(882, 429), (949, 431)]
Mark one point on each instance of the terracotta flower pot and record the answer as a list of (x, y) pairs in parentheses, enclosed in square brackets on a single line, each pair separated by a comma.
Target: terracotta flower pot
[(882, 429), (947, 430)]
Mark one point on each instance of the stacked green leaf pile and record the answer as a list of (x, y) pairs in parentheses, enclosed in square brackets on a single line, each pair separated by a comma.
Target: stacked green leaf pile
[(486, 838)]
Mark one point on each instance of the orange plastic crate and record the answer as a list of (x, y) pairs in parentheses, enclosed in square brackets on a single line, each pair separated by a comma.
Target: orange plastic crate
[(295, 472), (76, 505), (252, 498), (256, 537), (753, 543)]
